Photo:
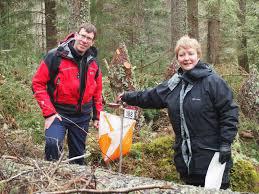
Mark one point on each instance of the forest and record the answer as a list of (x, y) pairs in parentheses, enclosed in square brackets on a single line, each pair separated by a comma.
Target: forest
[(144, 32)]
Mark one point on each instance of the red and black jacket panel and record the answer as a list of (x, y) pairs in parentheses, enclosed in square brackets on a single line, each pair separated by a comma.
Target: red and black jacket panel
[(75, 88)]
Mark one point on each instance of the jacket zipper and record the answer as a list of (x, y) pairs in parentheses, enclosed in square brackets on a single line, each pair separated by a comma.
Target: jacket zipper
[(57, 87), (81, 90)]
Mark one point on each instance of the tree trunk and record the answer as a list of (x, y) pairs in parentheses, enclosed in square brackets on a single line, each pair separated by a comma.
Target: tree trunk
[(242, 57), (178, 20), (50, 18), (5, 23), (79, 11), (214, 32), (178, 29), (2, 9), (137, 22), (192, 17)]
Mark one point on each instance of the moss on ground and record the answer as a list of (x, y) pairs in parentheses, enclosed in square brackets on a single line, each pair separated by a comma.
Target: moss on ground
[(152, 159), (244, 177)]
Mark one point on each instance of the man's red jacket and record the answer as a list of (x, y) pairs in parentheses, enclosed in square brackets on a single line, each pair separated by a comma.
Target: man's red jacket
[(76, 88)]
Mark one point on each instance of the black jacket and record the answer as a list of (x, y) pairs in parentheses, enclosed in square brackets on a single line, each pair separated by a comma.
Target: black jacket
[(201, 111)]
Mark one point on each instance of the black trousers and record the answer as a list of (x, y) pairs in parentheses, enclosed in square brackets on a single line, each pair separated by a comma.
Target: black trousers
[(199, 180)]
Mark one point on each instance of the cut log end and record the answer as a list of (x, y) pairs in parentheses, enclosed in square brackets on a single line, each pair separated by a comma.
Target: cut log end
[(127, 65)]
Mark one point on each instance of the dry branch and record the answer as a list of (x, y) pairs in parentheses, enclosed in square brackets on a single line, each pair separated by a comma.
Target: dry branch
[(14, 177), (147, 187), (74, 158)]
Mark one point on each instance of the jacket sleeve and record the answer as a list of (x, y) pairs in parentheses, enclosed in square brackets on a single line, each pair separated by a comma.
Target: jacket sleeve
[(97, 97), (39, 88), (226, 109), (150, 98)]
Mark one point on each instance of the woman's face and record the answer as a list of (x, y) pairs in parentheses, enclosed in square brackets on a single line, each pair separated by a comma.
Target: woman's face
[(187, 58)]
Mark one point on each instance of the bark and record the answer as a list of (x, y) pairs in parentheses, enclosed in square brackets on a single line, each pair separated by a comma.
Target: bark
[(214, 32), (5, 23), (242, 57), (137, 22), (79, 11), (99, 17), (2, 8), (178, 20), (51, 29), (192, 17)]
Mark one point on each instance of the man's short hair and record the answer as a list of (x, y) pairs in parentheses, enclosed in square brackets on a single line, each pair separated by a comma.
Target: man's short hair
[(88, 28)]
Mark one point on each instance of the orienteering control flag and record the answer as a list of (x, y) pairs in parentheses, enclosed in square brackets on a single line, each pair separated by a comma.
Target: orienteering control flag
[(110, 133)]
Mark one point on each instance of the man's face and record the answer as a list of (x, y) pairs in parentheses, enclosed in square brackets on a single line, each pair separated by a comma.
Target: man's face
[(187, 58), (83, 41)]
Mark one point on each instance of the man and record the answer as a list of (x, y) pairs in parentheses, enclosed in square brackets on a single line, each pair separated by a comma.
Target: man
[(68, 88)]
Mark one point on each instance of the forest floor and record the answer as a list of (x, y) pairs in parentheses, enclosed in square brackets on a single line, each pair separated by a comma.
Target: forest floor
[(19, 151)]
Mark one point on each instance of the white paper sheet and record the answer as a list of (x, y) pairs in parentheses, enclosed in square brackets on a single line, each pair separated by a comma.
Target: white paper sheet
[(215, 172)]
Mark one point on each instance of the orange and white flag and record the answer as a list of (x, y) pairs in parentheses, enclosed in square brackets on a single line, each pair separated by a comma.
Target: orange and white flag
[(110, 134)]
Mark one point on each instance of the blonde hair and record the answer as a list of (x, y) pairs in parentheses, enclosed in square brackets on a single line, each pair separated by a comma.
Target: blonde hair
[(187, 42)]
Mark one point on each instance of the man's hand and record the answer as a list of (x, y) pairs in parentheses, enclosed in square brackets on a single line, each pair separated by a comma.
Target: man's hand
[(49, 120), (96, 124), (224, 152)]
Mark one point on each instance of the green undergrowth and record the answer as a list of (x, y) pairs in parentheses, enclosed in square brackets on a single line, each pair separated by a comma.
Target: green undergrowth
[(249, 146), (19, 109), (154, 159)]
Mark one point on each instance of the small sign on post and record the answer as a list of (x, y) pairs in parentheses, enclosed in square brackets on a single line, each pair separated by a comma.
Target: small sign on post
[(130, 112)]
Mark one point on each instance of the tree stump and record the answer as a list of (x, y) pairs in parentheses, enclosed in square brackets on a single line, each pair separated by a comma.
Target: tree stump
[(172, 69), (248, 96), (120, 71)]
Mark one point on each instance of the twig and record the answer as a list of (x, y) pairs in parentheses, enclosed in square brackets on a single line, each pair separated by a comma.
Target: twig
[(71, 182), (9, 148), (87, 183), (106, 64), (241, 74), (9, 157), (50, 178), (92, 177), (74, 158), (124, 190), (15, 176), (37, 166), (57, 164)]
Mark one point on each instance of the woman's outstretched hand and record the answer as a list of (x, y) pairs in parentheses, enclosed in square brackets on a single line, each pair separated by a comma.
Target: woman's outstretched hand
[(119, 98)]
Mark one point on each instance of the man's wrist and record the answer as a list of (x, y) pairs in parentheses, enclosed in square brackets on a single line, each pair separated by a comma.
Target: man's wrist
[(46, 117)]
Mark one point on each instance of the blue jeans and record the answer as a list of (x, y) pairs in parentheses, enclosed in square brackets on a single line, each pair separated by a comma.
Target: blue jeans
[(76, 137)]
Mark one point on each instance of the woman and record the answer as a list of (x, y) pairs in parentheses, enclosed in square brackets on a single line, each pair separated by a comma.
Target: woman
[(201, 110)]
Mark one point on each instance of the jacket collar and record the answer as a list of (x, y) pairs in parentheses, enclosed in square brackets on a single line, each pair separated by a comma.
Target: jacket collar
[(201, 70)]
